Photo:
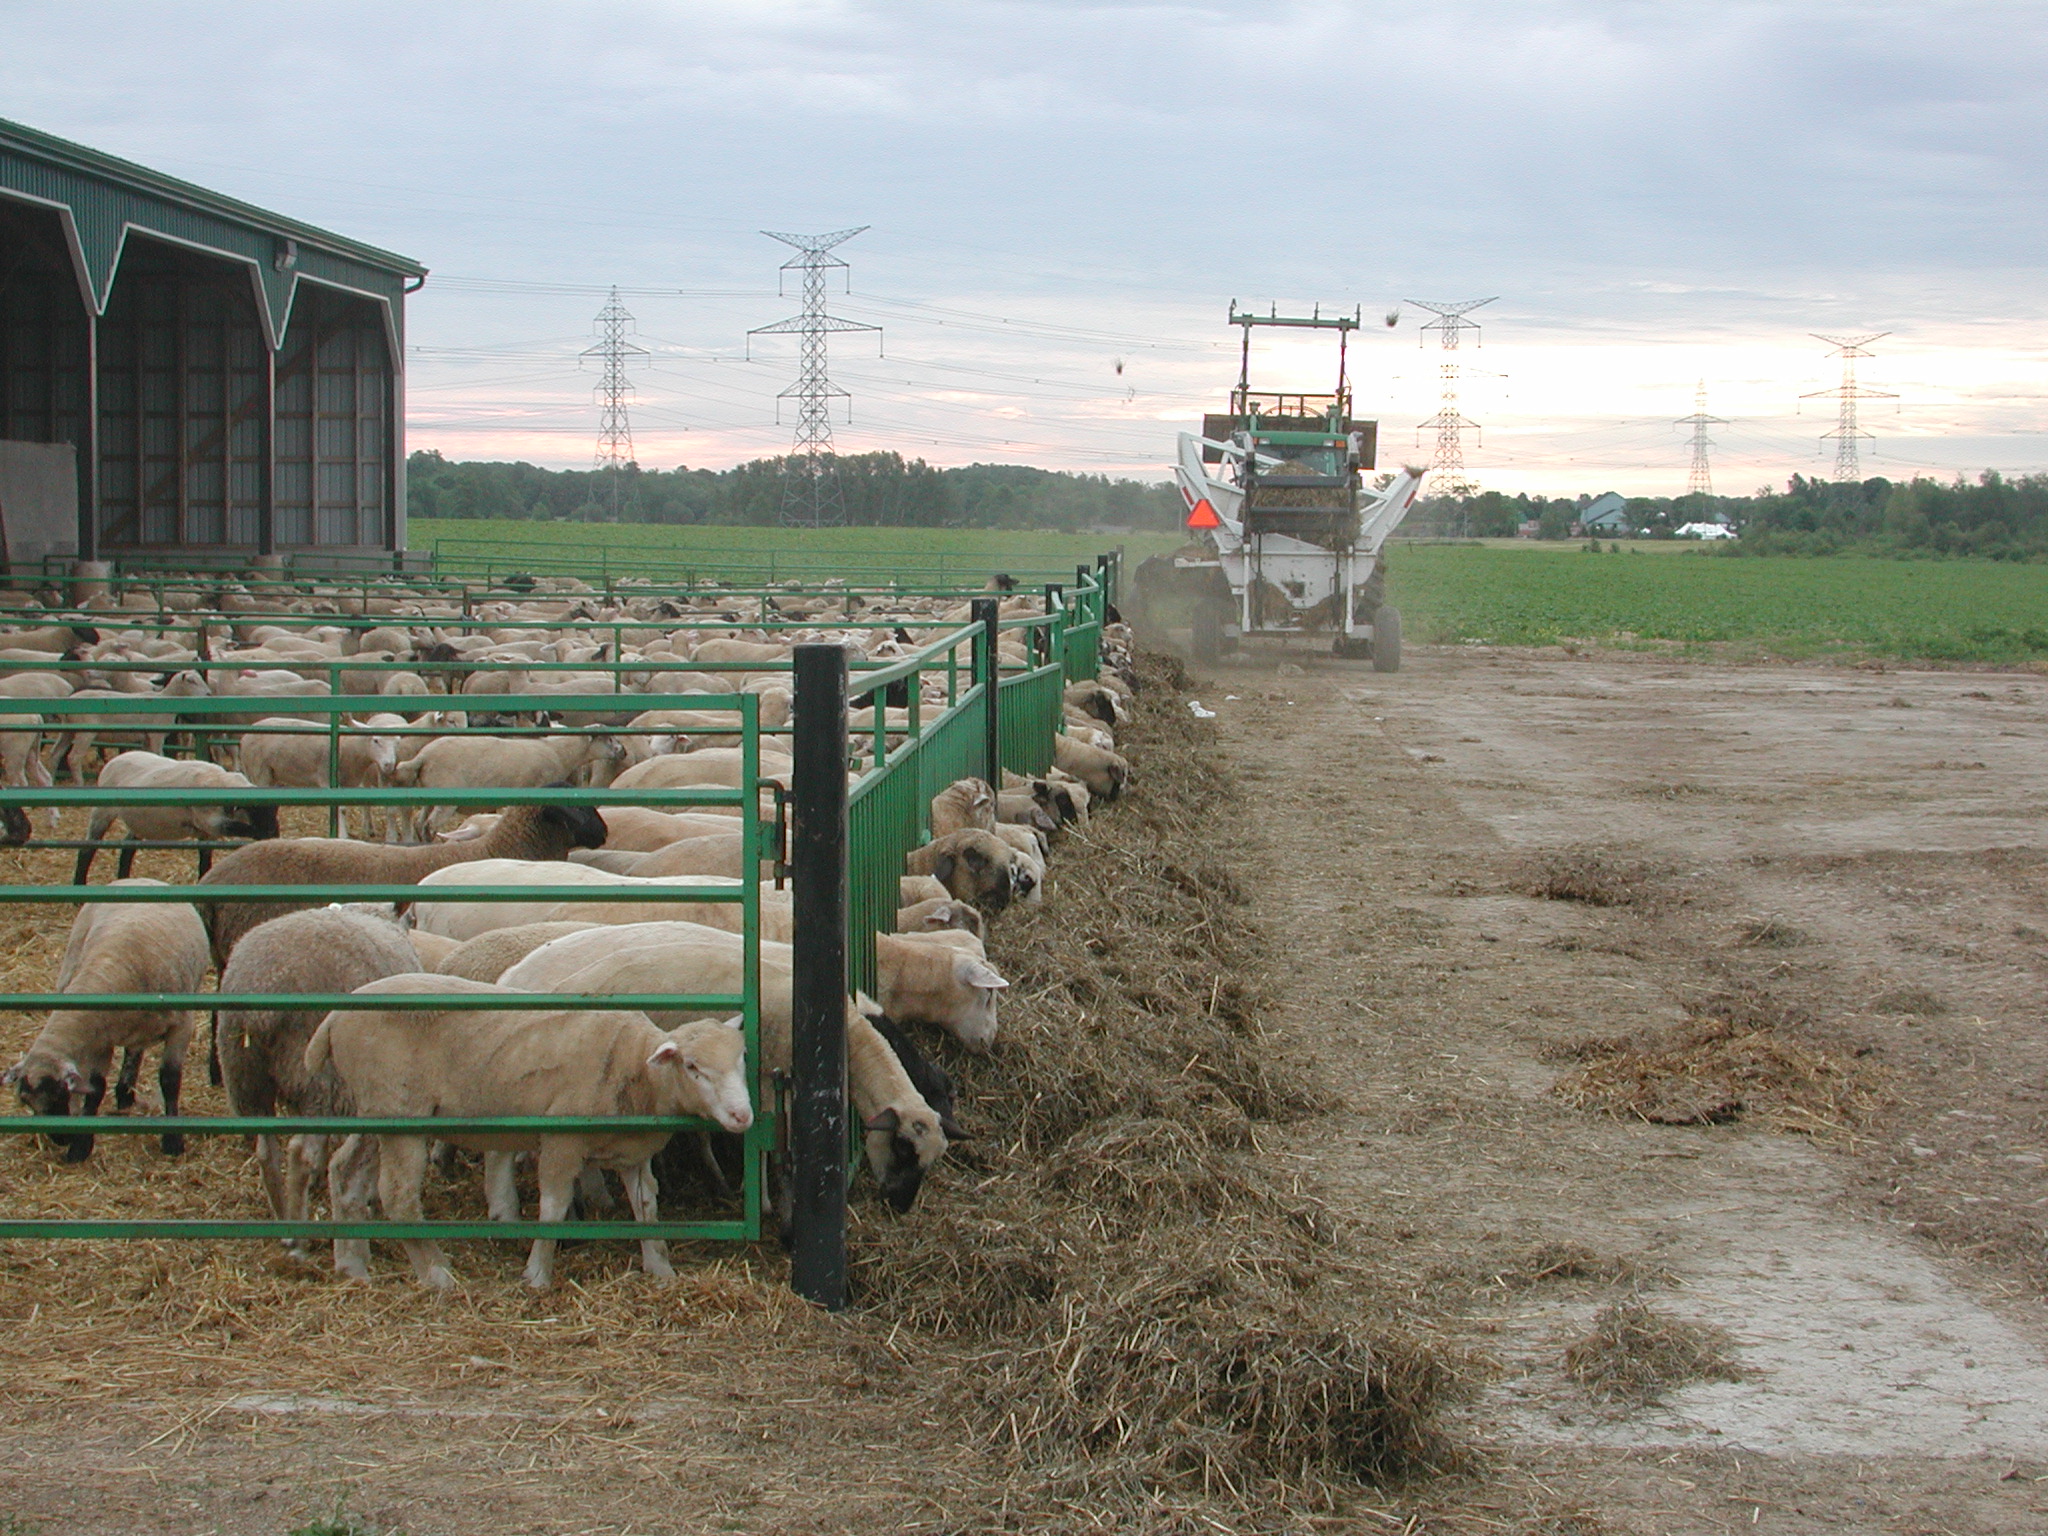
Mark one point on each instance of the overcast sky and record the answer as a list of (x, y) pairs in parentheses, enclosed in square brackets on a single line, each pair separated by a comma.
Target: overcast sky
[(1658, 193)]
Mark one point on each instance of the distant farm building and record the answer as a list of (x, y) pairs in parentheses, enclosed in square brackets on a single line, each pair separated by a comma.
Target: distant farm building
[(1706, 531), (182, 374), (1606, 514)]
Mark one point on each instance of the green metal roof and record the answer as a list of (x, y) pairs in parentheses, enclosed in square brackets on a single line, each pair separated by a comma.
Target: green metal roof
[(101, 197)]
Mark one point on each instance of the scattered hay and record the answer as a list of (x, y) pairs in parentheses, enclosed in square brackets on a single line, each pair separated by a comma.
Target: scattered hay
[(1158, 1323), (1772, 933), (1915, 1002), (1717, 1070), (1596, 879), (1564, 1262), (1634, 1354)]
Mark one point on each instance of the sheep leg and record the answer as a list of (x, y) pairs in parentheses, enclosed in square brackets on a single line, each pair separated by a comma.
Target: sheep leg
[(78, 1148), (401, 1165), (94, 831), (501, 1185), (707, 1153), (125, 866), (170, 1080), (205, 861), (561, 1159), (350, 1172), (124, 1085), (645, 1197), (271, 1168), (213, 1072), (594, 1192), (303, 1157)]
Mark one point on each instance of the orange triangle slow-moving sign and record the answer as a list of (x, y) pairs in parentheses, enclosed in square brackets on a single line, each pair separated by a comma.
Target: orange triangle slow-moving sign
[(1202, 515)]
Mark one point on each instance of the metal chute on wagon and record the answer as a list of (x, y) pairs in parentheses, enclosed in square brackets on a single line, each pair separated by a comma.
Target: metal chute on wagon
[(1286, 543)]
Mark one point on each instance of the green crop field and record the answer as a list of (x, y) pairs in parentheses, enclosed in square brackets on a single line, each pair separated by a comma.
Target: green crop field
[(1945, 610), (797, 551)]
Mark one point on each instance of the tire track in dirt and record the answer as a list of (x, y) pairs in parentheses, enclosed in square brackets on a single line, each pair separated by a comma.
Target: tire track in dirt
[(1390, 818)]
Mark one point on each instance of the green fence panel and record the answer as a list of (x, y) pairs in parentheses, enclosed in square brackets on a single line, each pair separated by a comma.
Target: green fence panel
[(1029, 717)]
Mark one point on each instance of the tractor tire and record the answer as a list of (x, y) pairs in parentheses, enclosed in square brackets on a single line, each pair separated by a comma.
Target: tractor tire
[(1386, 640), (1205, 642)]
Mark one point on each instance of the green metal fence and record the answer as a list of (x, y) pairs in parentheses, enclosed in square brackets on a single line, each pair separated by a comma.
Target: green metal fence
[(903, 758)]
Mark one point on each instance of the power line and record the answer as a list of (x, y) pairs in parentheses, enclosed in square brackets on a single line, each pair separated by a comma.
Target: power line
[(614, 394), (1846, 433), (811, 494)]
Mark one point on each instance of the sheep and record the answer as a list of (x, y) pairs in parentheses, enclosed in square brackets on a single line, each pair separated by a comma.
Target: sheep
[(912, 889), (613, 861), (467, 919), (921, 980), (945, 913), (432, 948), (298, 758), (82, 732), (529, 1062), (1029, 845), (643, 830), (538, 832), (115, 947), (263, 1051), (1022, 808), (961, 804), (466, 762), (715, 855), (1105, 773), (973, 865), (51, 639), (904, 1135), (168, 823), (1095, 699), (490, 955)]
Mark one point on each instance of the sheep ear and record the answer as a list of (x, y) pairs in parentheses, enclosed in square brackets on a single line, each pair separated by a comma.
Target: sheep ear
[(886, 1120), (866, 1006), (11, 1076), (976, 974), (942, 867), (74, 1080), (668, 1050), (952, 1129), (737, 1021)]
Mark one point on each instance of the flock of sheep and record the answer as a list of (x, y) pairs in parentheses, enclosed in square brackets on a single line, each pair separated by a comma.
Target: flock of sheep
[(987, 851)]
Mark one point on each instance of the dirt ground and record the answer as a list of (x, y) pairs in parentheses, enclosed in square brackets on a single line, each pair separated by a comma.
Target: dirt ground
[(1848, 863), (1854, 857)]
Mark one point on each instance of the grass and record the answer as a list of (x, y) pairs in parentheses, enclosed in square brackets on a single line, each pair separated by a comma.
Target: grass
[(824, 551), (1954, 611)]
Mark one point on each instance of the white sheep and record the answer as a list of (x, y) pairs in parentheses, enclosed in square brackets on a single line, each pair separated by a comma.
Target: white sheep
[(290, 754), (115, 947), (170, 823), (528, 1062)]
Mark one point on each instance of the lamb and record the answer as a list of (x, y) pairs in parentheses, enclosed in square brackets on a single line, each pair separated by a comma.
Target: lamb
[(710, 767), (529, 1062), (263, 1051), (115, 947), (490, 955), (961, 804), (1094, 699), (167, 823), (905, 1136), (290, 754), (1022, 808), (911, 889), (465, 762), (973, 865), (1105, 773), (537, 832)]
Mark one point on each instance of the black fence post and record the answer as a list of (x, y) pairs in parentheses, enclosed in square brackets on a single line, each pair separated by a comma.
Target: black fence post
[(988, 614), (817, 845)]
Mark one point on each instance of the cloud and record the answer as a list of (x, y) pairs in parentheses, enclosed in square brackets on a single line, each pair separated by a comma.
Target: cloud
[(1630, 178)]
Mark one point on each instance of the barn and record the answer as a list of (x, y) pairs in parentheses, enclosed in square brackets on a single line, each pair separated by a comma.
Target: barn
[(185, 376)]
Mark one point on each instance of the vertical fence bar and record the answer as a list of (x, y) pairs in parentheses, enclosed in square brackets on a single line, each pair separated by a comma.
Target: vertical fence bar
[(987, 613), (818, 1131)]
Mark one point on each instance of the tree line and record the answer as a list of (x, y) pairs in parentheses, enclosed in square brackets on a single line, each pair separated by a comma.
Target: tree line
[(1992, 517), (880, 489)]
